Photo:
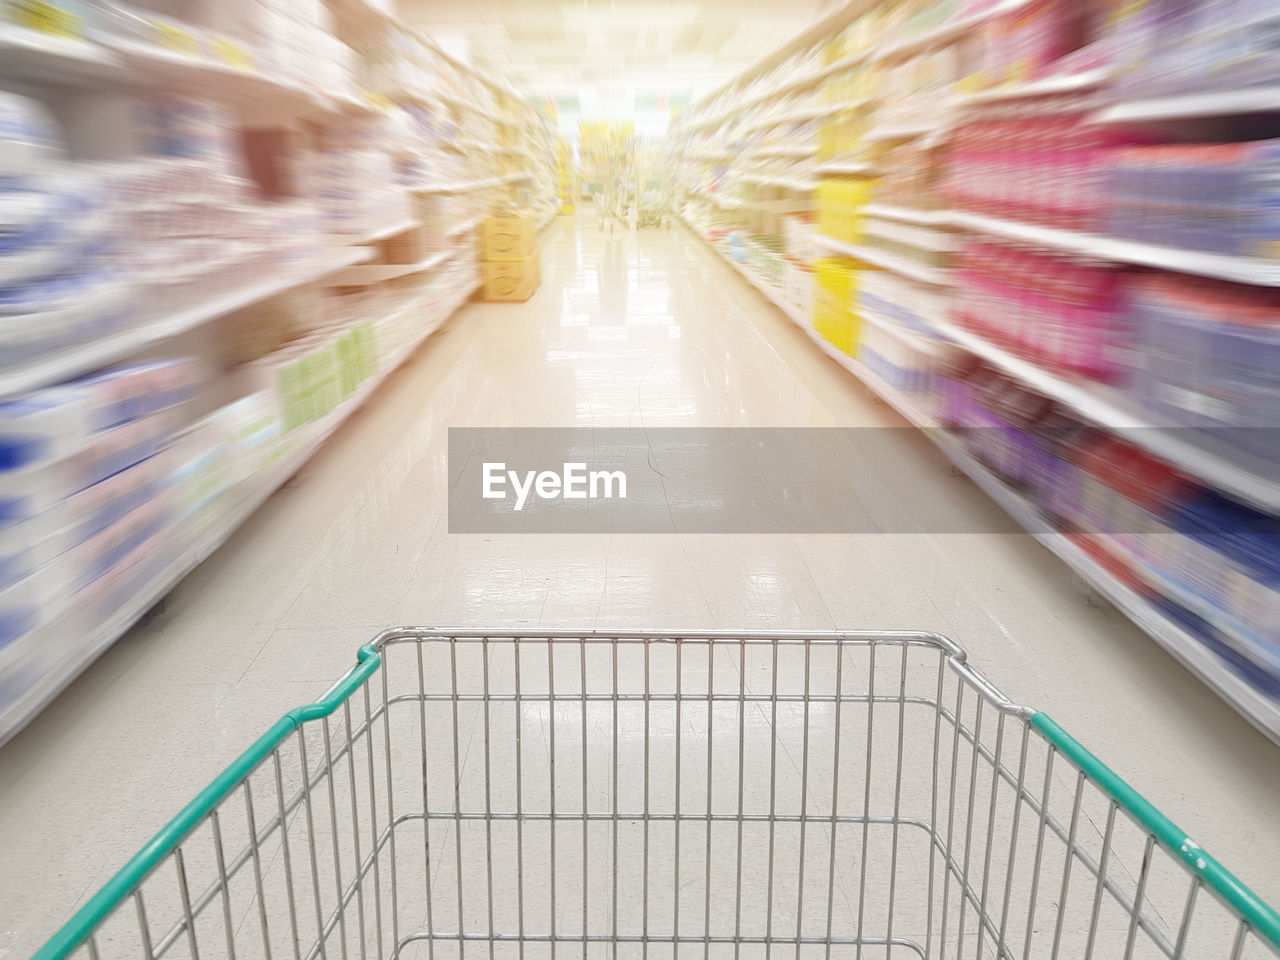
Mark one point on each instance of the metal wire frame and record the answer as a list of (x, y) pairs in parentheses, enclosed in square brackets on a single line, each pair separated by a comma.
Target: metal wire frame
[(976, 775)]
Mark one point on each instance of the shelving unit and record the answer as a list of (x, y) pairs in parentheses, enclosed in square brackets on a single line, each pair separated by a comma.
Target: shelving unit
[(1260, 710), (99, 353), (1219, 266), (1250, 482), (1217, 103), (411, 292)]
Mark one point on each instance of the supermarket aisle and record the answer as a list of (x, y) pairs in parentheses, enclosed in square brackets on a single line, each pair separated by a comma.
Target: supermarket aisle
[(628, 330)]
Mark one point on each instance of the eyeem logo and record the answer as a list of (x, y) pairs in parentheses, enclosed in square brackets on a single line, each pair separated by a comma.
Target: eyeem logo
[(574, 482)]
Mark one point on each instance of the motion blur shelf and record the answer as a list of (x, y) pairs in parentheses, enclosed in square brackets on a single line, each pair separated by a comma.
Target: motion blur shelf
[(256, 490), (1245, 270), (887, 261), (358, 276), (32, 55), (1217, 103), (1085, 88), (1044, 87), (1253, 705), (924, 218), (1108, 408), (126, 343), (947, 31), (166, 104), (855, 168)]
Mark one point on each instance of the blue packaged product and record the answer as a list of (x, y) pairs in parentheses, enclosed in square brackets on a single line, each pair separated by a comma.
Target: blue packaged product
[(1246, 587)]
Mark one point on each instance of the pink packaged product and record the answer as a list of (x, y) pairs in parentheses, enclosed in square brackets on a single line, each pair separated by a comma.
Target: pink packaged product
[(1033, 165), (1062, 313)]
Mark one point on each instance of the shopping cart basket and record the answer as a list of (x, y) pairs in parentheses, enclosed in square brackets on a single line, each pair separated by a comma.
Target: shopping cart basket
[(549, 795)]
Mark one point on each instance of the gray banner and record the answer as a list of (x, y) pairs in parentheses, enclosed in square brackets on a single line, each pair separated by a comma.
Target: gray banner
[(686, 480), (829, 480)]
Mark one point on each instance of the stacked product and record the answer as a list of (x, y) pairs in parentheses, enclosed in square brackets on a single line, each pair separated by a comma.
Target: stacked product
[(1181, 46), (1211, 358), (61, 283), (1066, 314), (509, 247), (353, 180), (312, 352), (1031, 165), (914, 88), (1219, 198), (920, 246), (799, 232), (290, 39), (834, 316), (912, 180), (83, 485), (907, 363), (1034, 40), (1215, 560), (891, 296), (841, 203)]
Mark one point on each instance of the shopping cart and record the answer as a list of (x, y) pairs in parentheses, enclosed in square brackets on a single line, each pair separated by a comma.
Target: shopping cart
[(552, 795)]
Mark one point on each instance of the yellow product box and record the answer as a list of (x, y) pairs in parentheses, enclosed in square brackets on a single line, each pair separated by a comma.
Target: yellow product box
[(508, 238), (833, 312), (840, 204), (511, 280)]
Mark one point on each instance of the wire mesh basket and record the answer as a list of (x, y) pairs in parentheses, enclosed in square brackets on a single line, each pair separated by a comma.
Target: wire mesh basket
[(553, 796)]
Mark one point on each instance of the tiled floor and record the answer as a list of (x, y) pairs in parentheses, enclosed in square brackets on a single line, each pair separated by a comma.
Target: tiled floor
[(628, 330)]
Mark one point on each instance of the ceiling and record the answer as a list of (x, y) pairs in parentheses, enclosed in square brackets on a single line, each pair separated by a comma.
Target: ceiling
[(609, 53)]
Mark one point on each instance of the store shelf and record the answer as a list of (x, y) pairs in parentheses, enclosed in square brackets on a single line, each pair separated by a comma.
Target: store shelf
[(771, 293), (1072, 241), (801, 114), (923, 218), (370, 273), (466, 226), (32, 55), (1254, 706), (466, 186), (1222, 103), (915, 338), (255, 490), (98, 353), (807, 150), (903, 266), (789, 183), (1111, 409), (850, 168), (1044, 87), (1220, 266), (947, 32), (904, 131), (379, 233), (154, 66)]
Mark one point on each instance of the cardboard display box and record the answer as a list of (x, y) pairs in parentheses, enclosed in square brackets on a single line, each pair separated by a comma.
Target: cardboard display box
[(512, 280), (509, 238)]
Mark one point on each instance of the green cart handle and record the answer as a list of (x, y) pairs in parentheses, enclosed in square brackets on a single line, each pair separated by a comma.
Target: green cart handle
[(89, 917), (1255, 911)]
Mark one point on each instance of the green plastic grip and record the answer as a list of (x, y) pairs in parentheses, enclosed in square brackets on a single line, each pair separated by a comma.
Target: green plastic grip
[(89, 917), (1259, 915)]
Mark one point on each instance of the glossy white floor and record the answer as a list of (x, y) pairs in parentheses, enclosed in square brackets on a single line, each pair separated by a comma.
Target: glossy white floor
[(648, 329)]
